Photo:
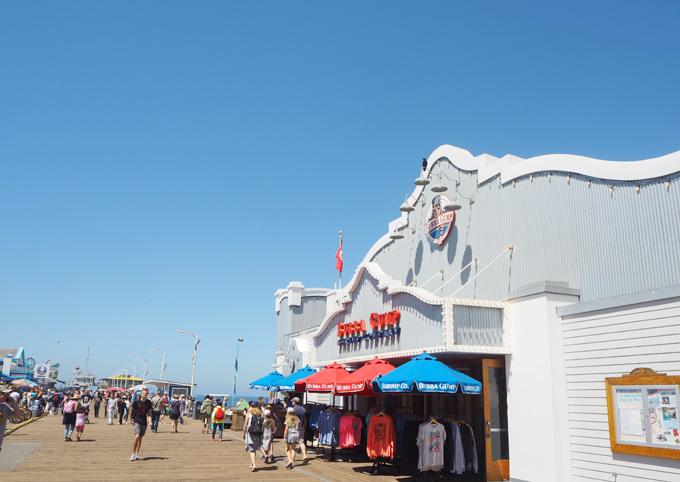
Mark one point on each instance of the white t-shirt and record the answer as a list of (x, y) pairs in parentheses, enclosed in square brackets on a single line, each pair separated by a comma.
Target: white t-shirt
[(430, 440)]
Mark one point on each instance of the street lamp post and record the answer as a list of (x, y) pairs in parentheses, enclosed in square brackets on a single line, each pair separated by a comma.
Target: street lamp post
[(145, 372), (193, 367), (162, 363), (238, 344), (134, 367), (126, 377)]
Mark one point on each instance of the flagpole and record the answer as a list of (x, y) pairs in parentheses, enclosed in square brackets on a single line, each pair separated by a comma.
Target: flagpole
[(340, 281)]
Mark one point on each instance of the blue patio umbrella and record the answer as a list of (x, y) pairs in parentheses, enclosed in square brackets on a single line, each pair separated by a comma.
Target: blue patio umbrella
[(266, 383), (425, 374), (288, 383)]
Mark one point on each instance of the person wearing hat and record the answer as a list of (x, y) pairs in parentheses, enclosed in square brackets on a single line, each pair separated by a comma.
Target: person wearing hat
[(8, 408), (301, 413)]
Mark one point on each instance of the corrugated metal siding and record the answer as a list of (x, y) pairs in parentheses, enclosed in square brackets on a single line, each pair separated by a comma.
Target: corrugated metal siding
[(283, 327), (474, 325), (309, 314), (290, 321), (563, 229), (609, 344), (421, 323)]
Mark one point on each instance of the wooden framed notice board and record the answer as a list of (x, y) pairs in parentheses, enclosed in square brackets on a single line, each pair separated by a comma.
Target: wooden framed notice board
[(643, 413)]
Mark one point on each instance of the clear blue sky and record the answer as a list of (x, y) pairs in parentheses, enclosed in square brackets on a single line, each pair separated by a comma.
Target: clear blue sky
[(170, 165)]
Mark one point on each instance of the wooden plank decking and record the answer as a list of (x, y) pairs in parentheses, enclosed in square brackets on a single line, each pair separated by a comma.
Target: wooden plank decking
[(104, 455)]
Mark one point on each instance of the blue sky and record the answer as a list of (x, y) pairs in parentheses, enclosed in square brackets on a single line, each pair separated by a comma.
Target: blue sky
[(166, 165)]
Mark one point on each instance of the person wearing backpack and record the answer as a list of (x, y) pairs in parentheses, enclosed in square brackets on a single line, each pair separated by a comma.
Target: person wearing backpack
[(219, 415), (252, 432), (69, 418), (207, 408)]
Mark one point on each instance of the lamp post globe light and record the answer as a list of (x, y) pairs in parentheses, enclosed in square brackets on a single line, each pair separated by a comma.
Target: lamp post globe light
[(145, 371), (193, 366), (238, 344)]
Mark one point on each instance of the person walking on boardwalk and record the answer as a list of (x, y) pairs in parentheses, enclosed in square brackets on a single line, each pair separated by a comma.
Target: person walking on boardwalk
[(252, 432), (301, 413), (80, 421), (291, 435), (175, 411), (268, 431), (157, 404), (97, 403), (166, 404), (122, 407), (69, 417), (8, 408), (206, 410), (219, 415), (111, 408), (141, 410)]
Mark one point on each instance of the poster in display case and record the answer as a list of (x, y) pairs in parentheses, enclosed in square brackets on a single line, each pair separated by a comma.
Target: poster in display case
[(643, 413)]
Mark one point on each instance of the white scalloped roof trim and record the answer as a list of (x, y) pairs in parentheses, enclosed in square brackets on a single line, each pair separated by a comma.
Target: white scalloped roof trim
[(512, 167), (385, 283)]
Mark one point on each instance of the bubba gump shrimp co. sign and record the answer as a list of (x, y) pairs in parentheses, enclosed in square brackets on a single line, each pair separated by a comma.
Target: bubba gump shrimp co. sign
[(382, 325), (439, 223)]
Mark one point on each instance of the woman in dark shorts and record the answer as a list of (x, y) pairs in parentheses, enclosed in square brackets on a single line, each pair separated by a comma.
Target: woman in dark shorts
[(175, 411)]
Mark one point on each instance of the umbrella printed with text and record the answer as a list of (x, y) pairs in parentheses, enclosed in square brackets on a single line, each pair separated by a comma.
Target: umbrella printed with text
[(323, 381), (359, 381), (266, 382), (288, 383), (425, 374)]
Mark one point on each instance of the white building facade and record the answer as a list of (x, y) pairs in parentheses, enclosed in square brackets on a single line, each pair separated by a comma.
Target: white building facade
[(540, 278)]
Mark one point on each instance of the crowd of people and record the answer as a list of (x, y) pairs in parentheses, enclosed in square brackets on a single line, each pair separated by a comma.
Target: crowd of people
[(141, 411)]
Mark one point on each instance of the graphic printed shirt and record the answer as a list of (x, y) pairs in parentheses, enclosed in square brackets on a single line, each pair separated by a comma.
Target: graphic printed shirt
[(140, 410), (381, 437), (430, 440)]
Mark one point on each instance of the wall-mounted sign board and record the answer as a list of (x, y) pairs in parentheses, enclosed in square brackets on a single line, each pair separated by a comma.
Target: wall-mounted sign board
[(643, 413)]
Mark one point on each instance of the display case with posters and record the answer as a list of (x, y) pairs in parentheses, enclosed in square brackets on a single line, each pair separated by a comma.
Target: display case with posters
[(643, 413)]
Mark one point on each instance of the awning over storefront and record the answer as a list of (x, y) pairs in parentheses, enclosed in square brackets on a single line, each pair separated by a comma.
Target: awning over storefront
[(425, 374), (323, 381), (268, 382), (359, 381), (288, 383)]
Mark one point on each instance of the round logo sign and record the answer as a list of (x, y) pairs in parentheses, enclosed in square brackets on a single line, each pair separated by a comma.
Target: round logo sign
[(438, 223), (41, 370)]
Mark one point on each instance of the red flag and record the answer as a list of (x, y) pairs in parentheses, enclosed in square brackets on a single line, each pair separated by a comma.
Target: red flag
[(338, 257)]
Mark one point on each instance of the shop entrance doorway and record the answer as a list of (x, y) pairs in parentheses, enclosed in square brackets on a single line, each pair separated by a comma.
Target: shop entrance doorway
[(494, 391)]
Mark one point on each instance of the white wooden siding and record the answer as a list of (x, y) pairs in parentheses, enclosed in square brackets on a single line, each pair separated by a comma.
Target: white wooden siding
[(611, 343)]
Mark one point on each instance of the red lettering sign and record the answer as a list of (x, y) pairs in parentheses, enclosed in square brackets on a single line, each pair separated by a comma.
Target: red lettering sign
[(375, 321)]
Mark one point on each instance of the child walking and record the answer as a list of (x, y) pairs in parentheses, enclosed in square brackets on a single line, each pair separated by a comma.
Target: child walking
[(291, 435), (80, 422), (269, 428)]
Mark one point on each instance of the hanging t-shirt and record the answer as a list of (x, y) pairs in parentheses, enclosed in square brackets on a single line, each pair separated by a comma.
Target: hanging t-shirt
[(430, 440), (454, 450), (350, 431), (329, 428), (381, 437), (469, 447)]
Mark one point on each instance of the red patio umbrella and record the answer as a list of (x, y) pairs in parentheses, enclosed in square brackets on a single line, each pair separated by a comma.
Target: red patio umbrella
[(359, 382), (323, 381)]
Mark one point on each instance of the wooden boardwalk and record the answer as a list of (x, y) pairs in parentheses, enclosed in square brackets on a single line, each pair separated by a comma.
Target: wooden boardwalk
[(104, 455)]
